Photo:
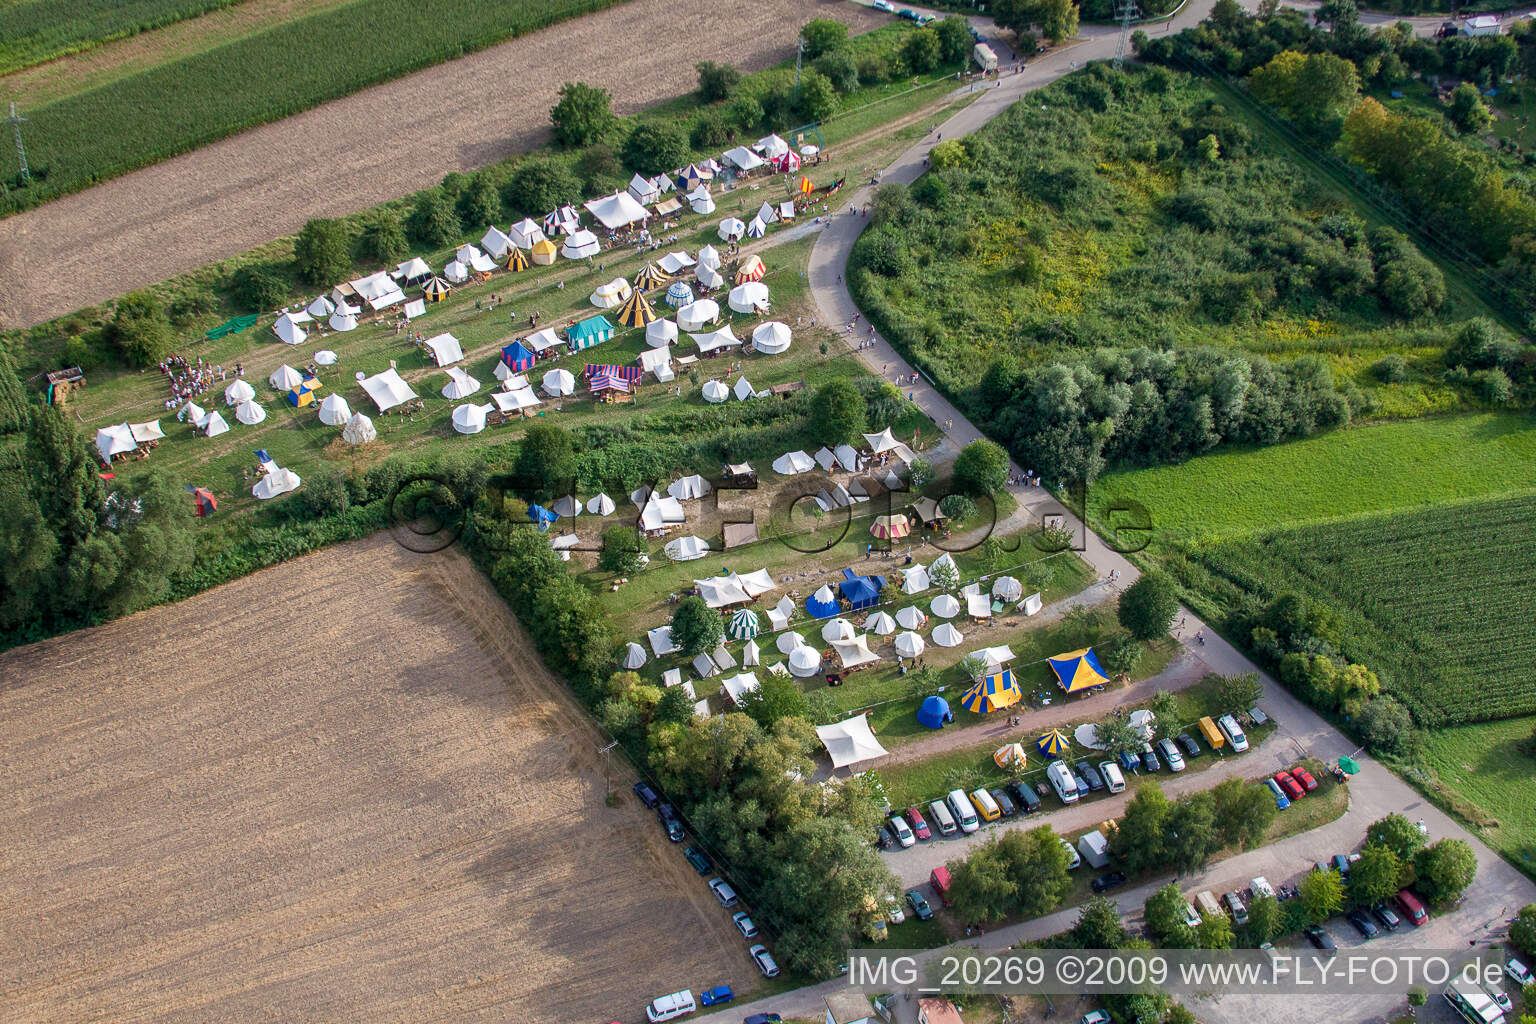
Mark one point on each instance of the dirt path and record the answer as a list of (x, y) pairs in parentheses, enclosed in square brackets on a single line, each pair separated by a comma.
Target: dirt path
[(344, 788), (381, 143)]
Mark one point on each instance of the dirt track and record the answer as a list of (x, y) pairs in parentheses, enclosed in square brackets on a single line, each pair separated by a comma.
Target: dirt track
[(340, 789), (378, 144)]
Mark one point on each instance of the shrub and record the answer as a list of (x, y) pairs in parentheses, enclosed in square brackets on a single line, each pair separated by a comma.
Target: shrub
[(1409, 284), (745, 113), (140, 330), (1468, 111), (1384, 725), (955, 42), (837, 412), (716, 80), (258, 288), (654, 148), (818, 98), (479, 204), (709, 130), (598, 168), (624, 550), (823, 35), (839, 70), (1390, 369), (539, 186), (958, 507), (1147, 606), (583, 115), (1493, 386), (872, 69), (947, 154), (323, 252), (324, 494), (384, 238), (981, 468), (193, 306), (432, 220), (921, 51), (884, 253)]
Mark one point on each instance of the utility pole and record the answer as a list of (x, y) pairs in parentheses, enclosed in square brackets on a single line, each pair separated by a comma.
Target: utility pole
[(1126, 12), (16, 121), (799, 55)]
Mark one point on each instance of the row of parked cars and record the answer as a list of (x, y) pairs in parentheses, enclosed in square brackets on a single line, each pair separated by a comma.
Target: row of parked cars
[(680, 1004)]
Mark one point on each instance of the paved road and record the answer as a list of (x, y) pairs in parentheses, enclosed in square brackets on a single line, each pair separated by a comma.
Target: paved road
[(1499, 889)]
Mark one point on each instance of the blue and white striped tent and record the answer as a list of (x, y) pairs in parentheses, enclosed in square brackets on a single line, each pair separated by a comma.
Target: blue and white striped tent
[(679, 294)]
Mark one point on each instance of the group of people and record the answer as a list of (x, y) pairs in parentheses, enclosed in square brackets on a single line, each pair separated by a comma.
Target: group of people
[(189, 379), (1028, 478)]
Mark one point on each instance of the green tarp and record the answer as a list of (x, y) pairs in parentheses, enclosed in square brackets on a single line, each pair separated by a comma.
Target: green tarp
[(232, 326)]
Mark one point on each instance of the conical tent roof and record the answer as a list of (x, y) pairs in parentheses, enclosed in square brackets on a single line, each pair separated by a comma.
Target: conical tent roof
[(749, 298), (321, 307), (636, 311), (650, 277), (334, 411), (947, 636), (559, 382), (788, 641), (517, 260), (881, 624), (910, 645), (602, 505), (709, 257), (945, 606), (470, 419), (743, 625), (359, 430), (634, 655), (342, 322), (285, 377), (435, 290), (249, 413), (715, 392), (771, 338), (569, 506), (660, 333), (751, 269), (730, 228), (239, 391), (709, 277)]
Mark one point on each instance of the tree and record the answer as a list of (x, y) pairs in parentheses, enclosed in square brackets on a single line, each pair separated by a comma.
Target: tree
[(546, 460), (716, 81), (944, 575), (955, 41), (1116, 734), (1164, 706), (1243, 812), (1522, 930), (982, 888), (1315, 90), (1468, 112), (1443, 869), (957, 507), (920, 473), (1164, 912), (539, 186), (696, 627), (29, 556), (837, 412), (140, 330), (1192, 828), (840, 70), (823, 35), (818, 97), (258, 287), (777, 697), (1227, 14), (432, 220), (981, 468), (1322, 894), (745, 113), (1098, 925), (1209, 149), (1057, 18), (384, 238), (583, 115), (675, 706), (1263, 919), (323, 251), (1237, 693), (624, 550), (947, 154), (1119, 652), (598, 168), (1038, 866), (1397, 834), (1384, 725), (1214, 932), (1147, 607), (479, 204), (1140, 838), (655, 148), (921, 51), (1375, 876)]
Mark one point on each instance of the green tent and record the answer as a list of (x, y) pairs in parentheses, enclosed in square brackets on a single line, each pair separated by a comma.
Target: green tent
[(591, 331)]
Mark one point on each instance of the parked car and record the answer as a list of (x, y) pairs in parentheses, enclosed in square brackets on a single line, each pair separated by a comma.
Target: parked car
[(919, 823), (908, 13), (1083, 788), (764, 961), (883, 5), (1363, 924), (723, 892), (1234, 733), (744, 924), (1004, 802), (1190, 744), (893, 911), (883, 838), (1107, 881), (1290, 785), (1171, 755), (1114, 779), (1322, 940), (1235, 907), (667, 815), (1341, 864), (1149, 761), (902, 831), (1089, 772), (1191, 915), (1096, 1017), (696, 857), (1387, 916), (647, 795), (1517, 972), (1027, 799), (763, 1018), (1304, 777), (1281, 800), (1129, 762), (919, 905), (1321, 865), (1073, 857), (717, 995)]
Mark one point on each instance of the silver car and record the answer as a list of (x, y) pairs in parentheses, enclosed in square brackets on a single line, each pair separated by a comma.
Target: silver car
[(744, 924), (764, 961)]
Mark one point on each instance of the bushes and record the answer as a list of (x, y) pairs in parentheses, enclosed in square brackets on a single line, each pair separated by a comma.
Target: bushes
[(716, 81), (322, 253), (1147, 606), (922, 51), (655, 148), (479, 204), (823, 35), (583, 115), (1410, 285), (384, 239), (539, 186), (839, 69), (432, 221), (818, 98), (1390, 369), (981, 469), (140, 330), (259, 288), (837, 412)]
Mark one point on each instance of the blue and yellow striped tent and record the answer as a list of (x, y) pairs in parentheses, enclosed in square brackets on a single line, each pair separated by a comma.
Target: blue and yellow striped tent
[(992, 693), (1078, 670), (1053, 744)]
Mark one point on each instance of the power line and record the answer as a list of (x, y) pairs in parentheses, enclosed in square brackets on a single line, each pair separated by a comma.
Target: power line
[(16, 121)]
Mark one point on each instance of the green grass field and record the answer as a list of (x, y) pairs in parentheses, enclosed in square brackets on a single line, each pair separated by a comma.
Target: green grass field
[(32, 31), (1344, 473), (1482, 773)]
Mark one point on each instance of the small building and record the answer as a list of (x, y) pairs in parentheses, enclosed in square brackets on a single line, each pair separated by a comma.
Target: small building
[(849, 1008), (938, 1011)]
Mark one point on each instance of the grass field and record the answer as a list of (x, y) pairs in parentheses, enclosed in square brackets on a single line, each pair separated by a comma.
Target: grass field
[(32, 31), (1482, 773), (1353, 472)]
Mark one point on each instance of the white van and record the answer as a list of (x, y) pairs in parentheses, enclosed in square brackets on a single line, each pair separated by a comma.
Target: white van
[(1062, 782), (942, 819), (1234, 733), (965, 813), (678, 1004), (1113, 778)]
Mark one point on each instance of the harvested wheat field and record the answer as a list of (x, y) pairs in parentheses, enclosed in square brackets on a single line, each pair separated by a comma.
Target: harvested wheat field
[(374, 145), (341, 789)]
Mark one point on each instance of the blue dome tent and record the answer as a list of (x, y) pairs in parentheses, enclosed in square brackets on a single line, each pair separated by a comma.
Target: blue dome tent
[(861, 591), (541, 515), (822, 604), (934, 712)]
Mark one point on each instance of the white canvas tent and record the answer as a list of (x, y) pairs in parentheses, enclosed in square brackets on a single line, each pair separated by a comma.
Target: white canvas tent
[(772, 147), (375, 286), (525, 232), (709, 277), (743, 389), (334, 411), (618, 210), (689, 488), (558, 383), (674, 262), (751, 297), (768, 213), (579, 245), (915, 579), (212, 425), (115, 440), (278, 482), (661, 511), (742, 158), (445, 349), (738, 686), (239, 391), (496, 242), (709, 256), (660, 640), (634, 655), (642, 189), (288, 330), (715, 340), (477, 260), (947, 636), (771, 338), (285, 378), (610, 295), (686, 549), (730, 229), (660, 333), (516, 400), (854, 652), (470, 419), (359, 430), (850, 741), (341, 322), (543, 340), (793, 463), (804, 662), (149, 431), (722, 592), (322, 306), (602, 505), (756, 228), (715, 392), (249, 413), (387, 389), (413, 270), (885, 441), (696, 315), (456, 271), (568, 506), (460, 385)]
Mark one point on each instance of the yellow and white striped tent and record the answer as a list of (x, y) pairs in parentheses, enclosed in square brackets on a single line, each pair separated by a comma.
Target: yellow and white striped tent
[(636, 311)]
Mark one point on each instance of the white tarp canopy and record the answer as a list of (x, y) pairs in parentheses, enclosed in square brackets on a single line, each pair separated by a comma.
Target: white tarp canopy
[(722, 592), (515, 400), (239, 391), (723, 338), (542, 340), (288, 329), (414, 269), (558, 383), (146, 431), (334, 411), (387, 390), (994, 657), (660, 640), (495, 241), (115, 440), (285, 378), (850, 741), (673, 262), (742, 158), (792, 463), (618, 210), (885, 441), (771, 338), (751, 297), (686, 549), (525, 232), (445, 349), (579, 245), (738, 686), (855, 652), (772, 147), (696, 314), (359, 430), (661, 511), (460, 385), (689, 488), (279, 481)]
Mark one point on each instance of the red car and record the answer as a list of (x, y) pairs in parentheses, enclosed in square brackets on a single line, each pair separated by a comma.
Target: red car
[(918, 823), (1305, 778), (1291, 786)]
